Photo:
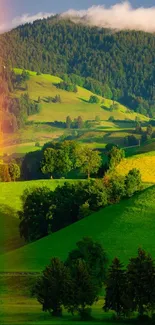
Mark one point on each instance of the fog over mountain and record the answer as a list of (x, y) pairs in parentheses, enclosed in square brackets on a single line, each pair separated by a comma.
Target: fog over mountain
[(121, 16)]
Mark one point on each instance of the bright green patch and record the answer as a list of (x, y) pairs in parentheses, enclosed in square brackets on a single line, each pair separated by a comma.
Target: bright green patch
[(121, 229)]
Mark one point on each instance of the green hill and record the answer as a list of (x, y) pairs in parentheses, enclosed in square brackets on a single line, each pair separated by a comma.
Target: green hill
[(41, 126), (123, 61), (121, 229)]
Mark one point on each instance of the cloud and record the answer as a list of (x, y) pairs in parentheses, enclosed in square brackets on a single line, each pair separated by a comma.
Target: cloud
[(121, 16), (21, 20)]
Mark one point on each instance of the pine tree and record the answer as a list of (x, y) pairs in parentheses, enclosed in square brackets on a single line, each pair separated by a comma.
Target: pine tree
[(141, 282), (115, 289), (84, 291)]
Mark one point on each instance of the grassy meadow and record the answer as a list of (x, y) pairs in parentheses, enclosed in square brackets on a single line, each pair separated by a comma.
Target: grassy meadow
[(121, 229)]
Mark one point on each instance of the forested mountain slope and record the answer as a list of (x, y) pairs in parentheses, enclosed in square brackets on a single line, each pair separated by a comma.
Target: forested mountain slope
[(123, 61)]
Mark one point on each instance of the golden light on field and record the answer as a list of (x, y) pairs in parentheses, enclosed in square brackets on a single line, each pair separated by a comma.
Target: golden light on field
[(145, 163)]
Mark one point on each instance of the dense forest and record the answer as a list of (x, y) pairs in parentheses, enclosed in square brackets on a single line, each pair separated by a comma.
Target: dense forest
[(122, 64)]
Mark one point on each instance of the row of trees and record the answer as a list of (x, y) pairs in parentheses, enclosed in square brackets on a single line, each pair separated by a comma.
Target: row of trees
[(77, 123), (55, 99), (61, 158), (77, 283), (9, 172), (45, 211)]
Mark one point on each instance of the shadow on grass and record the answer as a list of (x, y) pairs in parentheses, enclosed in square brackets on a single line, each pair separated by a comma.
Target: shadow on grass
[(9, 230), (84, 100)]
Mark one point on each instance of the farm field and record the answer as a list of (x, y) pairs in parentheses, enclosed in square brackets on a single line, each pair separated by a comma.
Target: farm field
[(21, 311), (121, 229)]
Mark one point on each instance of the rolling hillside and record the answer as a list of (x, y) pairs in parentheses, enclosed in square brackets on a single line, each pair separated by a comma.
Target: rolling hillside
[(121, 229), (73, 104), (41, 127)]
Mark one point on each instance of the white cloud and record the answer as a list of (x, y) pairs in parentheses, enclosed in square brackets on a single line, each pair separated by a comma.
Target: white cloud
[(120, 16), (21, 20)]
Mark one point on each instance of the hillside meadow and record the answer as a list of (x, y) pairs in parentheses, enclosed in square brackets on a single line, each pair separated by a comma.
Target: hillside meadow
[(144, 162), (40, 127), (121, 229)]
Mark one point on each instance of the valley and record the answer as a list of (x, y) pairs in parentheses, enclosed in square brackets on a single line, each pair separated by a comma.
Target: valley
[(77, 161)]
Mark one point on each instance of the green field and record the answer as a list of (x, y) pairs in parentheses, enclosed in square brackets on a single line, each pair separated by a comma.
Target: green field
[(121, 229), (10, 203)]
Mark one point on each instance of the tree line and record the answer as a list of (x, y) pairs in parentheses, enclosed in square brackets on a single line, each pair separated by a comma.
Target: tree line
[(109, 60), (76, 283), (45, 211), (58, 159)]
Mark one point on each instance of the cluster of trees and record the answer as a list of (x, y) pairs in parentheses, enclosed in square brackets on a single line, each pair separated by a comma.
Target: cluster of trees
[(60, 158), (45, 211), (75, 283), (55, 99), (132, 140), (147, 134), (9, 172), (110, 60), (67, 86), (77, 123)]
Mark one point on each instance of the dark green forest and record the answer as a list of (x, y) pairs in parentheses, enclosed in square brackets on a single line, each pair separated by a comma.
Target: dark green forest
[(120, 64)]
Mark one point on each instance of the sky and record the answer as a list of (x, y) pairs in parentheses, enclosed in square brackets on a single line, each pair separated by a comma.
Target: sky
[(19, 7), (16, 12)]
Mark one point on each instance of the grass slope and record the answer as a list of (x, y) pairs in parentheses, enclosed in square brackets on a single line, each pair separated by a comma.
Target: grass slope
[(144, 162), (121, 229), (10, 203), (40, 127), (11, 192), (73, 104)]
